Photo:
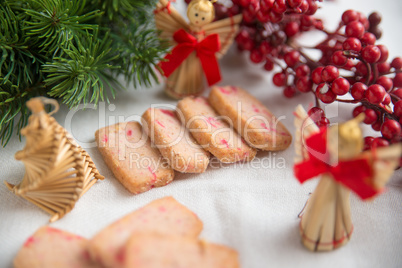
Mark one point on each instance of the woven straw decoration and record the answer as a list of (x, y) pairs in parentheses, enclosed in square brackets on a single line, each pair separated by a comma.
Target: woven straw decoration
[(326, 223), (58, 170), (188, 78)]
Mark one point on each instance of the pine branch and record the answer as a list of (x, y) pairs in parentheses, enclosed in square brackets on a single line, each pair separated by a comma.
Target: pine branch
[(19, 71), (81, 74), (140, 50), (17, 57), (13, 112), (67, 49), (117, 9), (54, 24)]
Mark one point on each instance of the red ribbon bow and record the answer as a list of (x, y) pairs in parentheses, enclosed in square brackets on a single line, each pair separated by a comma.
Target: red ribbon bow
[(355, 174), (186, 44)]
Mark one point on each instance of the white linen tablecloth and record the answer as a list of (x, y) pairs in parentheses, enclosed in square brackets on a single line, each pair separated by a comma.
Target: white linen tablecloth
[(252, 208)]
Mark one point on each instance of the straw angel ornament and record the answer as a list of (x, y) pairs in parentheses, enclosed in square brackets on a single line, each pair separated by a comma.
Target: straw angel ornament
[(198, 45), (335, 153), (58, 170)]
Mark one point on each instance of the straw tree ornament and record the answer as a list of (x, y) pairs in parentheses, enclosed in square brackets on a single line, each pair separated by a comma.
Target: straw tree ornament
[(58, 170), (198, 45), (335, 153)]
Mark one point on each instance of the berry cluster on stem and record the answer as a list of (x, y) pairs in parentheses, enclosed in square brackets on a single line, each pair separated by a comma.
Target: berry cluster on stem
[(351, 61)]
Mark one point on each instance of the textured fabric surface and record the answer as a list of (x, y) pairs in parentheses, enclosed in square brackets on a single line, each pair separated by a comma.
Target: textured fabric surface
[(252, 208)]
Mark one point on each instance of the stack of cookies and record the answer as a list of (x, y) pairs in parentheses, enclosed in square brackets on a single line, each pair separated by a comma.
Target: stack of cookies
[(162, 234), (231, 125)]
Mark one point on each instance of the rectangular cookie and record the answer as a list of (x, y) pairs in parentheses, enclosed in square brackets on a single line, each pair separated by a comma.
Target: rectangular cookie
[(212, 132), (49, 247), (257, 125), (174, 141), (127, 151), (164, 215), (149, 250)]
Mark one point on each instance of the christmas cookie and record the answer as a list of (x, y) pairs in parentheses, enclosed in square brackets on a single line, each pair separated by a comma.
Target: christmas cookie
[(128, 153), (258, 126), (174, 141), (49, 247), (212, 132), (160, 251), (166, 216)]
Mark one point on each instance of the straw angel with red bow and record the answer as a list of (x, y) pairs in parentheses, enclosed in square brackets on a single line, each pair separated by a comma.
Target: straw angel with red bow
[(197, 45), (335, 154)]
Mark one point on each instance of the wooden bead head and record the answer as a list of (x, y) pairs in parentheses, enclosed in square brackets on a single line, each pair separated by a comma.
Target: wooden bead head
[(201, 12)]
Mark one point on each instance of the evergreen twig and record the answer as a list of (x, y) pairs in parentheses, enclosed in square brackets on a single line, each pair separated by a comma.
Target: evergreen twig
[(72, 50)]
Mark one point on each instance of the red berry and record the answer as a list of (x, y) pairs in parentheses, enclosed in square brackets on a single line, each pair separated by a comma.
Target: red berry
[(304, 84), (398, 108), (371, 53), (233, 10), (220, 11), (383, 67), (397, 63), (354, 29), (349, 65), (349, 16), (353, 44), (358, 110), (256, 56), (358, 90), (363, 20), (262, 16), (266, 5), (323, 122), (248, 16), (391, 129), (294, 3), (242, 35), (292, 58), (385, 82), (274, 17), (316, 75), (370, 116), (307, 21), (329, 73), (398, 93), (379, 142), (303, 7), (289, 92), (375, 94), (387, 99), (265, 48), (244, 3), (340, 86), (384, 53), (279, 6), (248, 44), (368, 39), (279, 79), (324, 93), (316, 112), (302, 70), (398, 80), (376, 31), (312, 7), (374, 19), (377, 125), (361, 68), (292, 28), (269, 65), (367, 143), (338, 58)]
